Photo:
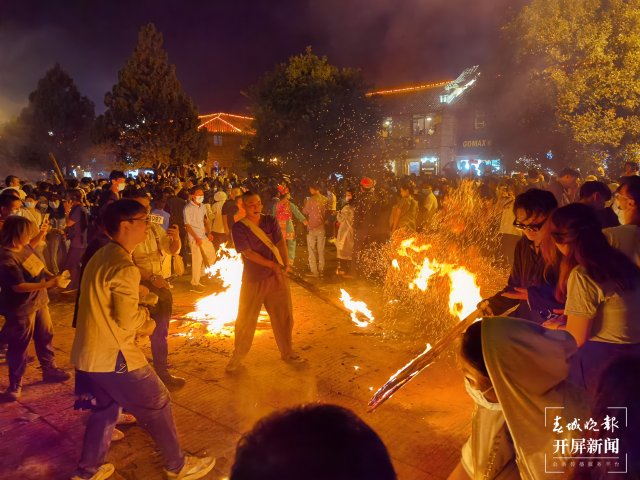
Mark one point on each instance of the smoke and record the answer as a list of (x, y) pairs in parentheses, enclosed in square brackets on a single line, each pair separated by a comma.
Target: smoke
[(28, 53), (403, 41)]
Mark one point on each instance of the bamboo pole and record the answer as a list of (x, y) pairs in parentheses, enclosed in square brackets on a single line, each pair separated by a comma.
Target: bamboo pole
[(57, 170), (419, 363)]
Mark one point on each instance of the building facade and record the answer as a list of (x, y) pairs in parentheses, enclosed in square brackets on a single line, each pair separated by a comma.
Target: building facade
[(440, 124), (227, 136)]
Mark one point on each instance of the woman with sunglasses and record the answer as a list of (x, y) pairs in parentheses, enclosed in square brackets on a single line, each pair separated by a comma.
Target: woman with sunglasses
[(601, 287)]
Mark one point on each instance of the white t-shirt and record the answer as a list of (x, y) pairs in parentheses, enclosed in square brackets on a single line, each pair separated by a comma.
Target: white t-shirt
[(616, 315), (625, 238), (194, 216)]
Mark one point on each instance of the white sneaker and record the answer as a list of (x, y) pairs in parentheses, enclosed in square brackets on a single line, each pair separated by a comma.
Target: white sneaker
[(105, 471), (194, 467)]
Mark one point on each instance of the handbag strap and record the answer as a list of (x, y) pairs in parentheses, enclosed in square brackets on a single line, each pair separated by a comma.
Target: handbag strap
[(262, 236)]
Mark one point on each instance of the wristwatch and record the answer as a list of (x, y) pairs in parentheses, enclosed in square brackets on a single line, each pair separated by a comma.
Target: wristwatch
[(152, 278)]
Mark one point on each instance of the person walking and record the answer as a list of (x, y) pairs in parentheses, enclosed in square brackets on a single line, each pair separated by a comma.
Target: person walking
[(200, 238), (110, 367), (315, 208)]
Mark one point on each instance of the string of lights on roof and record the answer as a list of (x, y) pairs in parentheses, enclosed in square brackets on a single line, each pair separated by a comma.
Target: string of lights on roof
[(414, 88), (212, 117), (225, 114)]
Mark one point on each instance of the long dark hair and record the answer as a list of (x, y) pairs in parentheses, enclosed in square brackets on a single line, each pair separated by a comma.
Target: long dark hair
[(577, 226)]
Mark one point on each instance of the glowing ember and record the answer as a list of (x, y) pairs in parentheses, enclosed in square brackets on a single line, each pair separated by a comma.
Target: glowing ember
[(356, 307), (221, 308)]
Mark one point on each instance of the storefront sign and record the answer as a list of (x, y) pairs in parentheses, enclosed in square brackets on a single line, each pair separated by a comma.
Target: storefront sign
[(476, 143)]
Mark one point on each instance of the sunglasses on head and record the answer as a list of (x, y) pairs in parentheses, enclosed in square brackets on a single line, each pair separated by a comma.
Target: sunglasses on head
[(532, 227)]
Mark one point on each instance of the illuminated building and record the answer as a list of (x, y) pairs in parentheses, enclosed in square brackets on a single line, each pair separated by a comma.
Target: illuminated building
[(228, 134), (438, 124)]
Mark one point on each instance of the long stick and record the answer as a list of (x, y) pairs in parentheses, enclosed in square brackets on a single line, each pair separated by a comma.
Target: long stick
[(419, 363), (58, 171)]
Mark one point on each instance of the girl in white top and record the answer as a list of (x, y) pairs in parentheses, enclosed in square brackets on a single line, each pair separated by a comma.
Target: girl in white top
[(602, 291)]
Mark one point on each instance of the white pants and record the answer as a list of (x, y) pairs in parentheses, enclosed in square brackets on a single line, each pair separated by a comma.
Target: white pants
[(197, 267)]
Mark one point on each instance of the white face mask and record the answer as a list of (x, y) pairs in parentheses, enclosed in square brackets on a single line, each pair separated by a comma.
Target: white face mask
[(121, 186), (29, 204), (199, 199), (54, 204), (479, 398)]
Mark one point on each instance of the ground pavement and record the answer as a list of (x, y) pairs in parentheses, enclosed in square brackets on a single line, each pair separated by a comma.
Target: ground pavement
[(423, 426)]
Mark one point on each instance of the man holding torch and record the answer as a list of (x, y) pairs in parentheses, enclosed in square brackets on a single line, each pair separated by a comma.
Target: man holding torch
[(264, 253)]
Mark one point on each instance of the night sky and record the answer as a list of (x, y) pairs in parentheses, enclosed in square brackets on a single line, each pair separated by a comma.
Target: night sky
[(222, 47)]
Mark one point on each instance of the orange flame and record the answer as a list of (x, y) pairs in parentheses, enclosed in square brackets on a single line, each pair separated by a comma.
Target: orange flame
[(464, 294), (221, 308), (356, 307)]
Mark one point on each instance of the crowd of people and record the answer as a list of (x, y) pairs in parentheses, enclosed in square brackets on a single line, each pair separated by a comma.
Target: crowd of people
[(117, 243)]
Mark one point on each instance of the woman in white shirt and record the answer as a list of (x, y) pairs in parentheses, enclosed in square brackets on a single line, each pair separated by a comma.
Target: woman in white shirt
[(602, 291)]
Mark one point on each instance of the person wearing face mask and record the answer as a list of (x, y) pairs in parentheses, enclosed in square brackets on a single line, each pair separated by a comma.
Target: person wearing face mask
[(30, 211), (11, 206), (345, 236), (200, 238), (488, 453), (626, 237), (117, 181)]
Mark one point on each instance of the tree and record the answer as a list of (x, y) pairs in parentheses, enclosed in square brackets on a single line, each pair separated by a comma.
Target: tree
[(57, 119), (313, 117), (149, 118), (587, 52)]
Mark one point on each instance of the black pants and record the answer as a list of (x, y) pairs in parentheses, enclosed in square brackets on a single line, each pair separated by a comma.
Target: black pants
[(161, 313), (18, 332)]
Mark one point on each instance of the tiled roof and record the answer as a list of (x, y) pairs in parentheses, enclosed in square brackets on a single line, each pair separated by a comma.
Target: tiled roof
[(226, 123)]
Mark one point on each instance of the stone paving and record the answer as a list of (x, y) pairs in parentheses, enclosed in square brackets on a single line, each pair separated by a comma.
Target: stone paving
[(423, 426)]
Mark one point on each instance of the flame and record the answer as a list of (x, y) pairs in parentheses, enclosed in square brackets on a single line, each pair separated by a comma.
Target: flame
[(356, 307), (464, 294), (221, 308)]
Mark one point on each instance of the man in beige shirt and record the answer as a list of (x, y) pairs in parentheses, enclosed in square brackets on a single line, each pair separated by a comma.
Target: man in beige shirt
[(110, 367), (148, 257)]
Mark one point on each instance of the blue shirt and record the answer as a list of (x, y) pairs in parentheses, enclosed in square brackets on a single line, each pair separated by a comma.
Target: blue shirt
[(244, 239)]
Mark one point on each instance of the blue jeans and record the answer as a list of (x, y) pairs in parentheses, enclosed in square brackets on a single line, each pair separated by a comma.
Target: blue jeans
[(315, 243), (143, 394)]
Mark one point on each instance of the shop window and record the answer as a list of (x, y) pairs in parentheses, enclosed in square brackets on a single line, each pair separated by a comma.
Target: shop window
[(422, 125)]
